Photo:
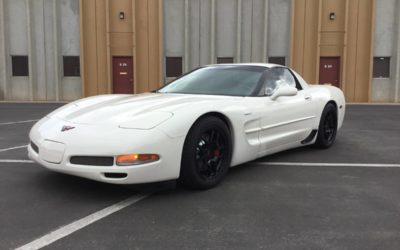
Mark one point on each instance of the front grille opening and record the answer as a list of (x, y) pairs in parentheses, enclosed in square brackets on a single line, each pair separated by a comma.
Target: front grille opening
[(35, 147), (92, 160), (116, 175)]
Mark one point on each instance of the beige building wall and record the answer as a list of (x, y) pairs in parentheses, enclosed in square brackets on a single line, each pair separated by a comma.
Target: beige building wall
[(349, 36), (105, 35)]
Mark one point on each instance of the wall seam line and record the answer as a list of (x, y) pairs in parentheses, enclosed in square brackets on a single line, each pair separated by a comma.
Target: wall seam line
[(96, 45), (3, 49), (356, 62), (304, 39), (397, 66), (251, 31)]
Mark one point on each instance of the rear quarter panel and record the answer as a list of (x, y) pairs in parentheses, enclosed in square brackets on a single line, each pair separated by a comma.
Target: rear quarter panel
[(322, 94)]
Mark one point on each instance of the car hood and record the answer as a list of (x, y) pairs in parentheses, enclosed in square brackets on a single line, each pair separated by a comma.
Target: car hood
[(143, 111)]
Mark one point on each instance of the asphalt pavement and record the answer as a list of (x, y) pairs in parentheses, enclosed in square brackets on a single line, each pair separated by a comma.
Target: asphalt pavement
[(347, 197)]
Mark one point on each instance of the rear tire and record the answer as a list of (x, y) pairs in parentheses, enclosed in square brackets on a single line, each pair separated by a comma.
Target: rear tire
[(327, 129), (206, 155)]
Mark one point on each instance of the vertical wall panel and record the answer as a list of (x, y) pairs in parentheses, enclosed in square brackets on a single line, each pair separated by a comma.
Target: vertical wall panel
[(305, 34), (101, 40), (18, 30), (89, 47), (225, 28), (174, 22), (39, 49), (385, 27), (279, 28), (257, 31), (364, 51), (205, 29), (69, 15), (194, 34), (246, 35), (50, 48), (384, 89), (297, 36), (154, 40), (351, 49), (396, 57), (70, 38), (311, 42), (4, 74), (17, 22), (142, 42)]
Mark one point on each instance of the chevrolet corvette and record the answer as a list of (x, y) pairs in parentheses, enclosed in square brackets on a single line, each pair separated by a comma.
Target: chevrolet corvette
[(192, 129)]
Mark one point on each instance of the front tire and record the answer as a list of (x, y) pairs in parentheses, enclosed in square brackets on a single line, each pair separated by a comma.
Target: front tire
[(206, 155), (327, 129)]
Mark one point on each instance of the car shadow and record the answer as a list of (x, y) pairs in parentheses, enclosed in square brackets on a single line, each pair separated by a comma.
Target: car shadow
[(64, 184)]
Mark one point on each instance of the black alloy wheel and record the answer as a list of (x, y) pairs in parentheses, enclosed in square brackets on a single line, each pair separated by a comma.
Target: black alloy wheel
[(327, 127), (206, 154), (210, 153)]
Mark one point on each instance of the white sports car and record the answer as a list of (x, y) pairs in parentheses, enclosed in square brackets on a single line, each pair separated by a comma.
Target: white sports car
[(192, 129)]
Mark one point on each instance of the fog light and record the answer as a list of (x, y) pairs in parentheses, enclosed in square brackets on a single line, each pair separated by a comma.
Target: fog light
[(135, 159)]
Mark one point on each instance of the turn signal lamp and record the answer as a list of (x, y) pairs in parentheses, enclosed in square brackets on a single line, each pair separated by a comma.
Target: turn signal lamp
[(135, 159)]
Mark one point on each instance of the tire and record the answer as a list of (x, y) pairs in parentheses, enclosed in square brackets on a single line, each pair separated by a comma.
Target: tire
[(206, 154), (327, 128)]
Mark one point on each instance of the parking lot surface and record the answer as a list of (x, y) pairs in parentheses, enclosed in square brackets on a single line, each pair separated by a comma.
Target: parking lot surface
[(346, 197)]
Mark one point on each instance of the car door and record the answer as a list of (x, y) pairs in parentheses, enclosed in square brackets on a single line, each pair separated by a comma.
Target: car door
[(286, 120)]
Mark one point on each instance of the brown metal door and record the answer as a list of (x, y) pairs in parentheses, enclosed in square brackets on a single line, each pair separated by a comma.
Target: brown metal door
[(329, 70), (123, 75)]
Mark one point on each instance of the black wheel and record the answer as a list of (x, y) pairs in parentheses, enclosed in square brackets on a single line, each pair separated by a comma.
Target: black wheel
[(206, 155), (327, 127)]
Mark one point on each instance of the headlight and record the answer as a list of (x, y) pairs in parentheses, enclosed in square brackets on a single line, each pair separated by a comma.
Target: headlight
[(135, 159)]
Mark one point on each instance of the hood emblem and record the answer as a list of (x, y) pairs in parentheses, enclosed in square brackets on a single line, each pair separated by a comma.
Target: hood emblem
[(66, 128)]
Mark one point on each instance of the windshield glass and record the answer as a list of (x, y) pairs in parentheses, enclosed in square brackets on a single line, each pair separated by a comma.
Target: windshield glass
[(218, 80)]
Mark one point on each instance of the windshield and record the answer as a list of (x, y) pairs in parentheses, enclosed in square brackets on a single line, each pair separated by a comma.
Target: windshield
[(218, 80)]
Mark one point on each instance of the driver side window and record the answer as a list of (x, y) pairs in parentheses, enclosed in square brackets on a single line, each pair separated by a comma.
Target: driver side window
[(276, 78)]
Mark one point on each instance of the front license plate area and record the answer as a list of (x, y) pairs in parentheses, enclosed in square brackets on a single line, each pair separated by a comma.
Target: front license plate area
[(52, 151)]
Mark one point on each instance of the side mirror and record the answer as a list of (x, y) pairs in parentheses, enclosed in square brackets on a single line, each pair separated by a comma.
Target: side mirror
[(284, 91)]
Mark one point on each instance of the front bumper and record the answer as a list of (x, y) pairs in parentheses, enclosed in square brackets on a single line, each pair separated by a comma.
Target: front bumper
[(55, 149)]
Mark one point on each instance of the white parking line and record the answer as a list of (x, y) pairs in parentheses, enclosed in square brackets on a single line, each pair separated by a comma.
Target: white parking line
[(81, 223), (320, 164), (17, 147), (15, 161), (10, 123)]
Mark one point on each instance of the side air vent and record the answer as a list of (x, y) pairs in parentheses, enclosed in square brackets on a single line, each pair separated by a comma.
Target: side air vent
[(310, 137), (92, 160)]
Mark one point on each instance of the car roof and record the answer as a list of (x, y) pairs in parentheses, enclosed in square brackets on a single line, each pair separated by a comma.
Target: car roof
[(267, 65)]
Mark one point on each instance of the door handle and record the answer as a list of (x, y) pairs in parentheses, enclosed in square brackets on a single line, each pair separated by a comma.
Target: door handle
[(308, 97)]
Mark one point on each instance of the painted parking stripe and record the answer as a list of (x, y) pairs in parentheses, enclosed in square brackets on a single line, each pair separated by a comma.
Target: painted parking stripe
[(81, 223), (12, 148), (316, 164), (10, 123), (15, 161)]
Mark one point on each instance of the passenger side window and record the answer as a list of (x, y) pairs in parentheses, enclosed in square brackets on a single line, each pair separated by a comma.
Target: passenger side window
[(276, 78)]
